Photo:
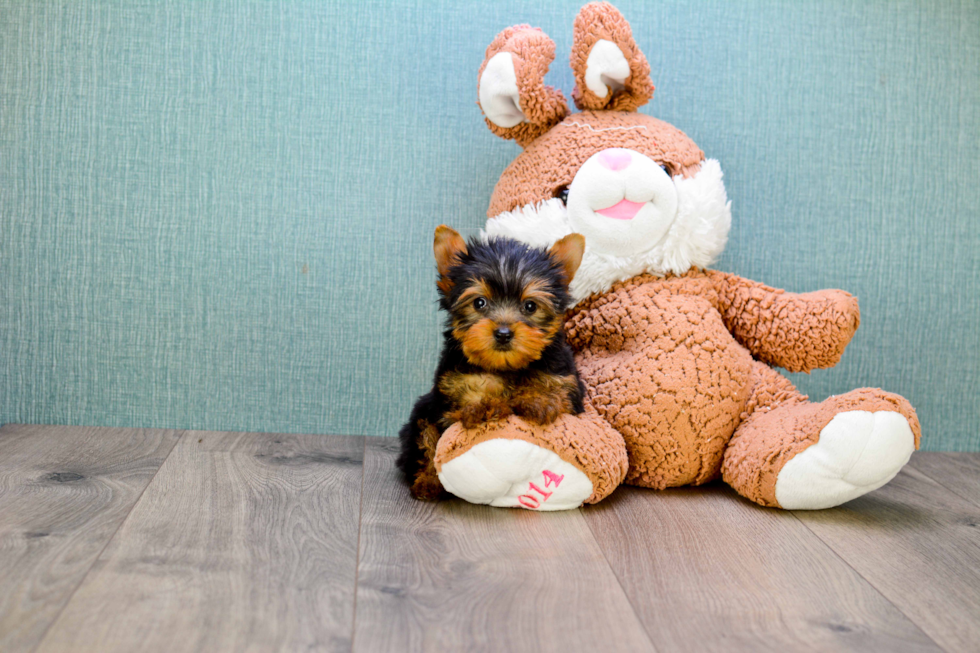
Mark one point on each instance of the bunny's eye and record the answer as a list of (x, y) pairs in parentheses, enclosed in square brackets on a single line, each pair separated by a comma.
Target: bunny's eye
[(562, 194)]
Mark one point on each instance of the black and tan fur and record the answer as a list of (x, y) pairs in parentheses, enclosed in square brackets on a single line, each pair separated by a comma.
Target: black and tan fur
[(504, 350)]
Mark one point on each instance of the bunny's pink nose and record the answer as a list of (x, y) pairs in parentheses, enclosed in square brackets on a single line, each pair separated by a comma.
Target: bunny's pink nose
[(614, 159)]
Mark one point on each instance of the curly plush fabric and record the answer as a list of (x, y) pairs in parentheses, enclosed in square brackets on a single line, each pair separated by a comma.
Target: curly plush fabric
[(583, 440), (796, 332), (662, 366), (540, 171), (601, 21), (676, 359), (770, 438), (531, 54)]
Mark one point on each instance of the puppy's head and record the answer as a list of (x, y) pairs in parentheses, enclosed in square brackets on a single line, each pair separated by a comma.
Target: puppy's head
[(506, 300)]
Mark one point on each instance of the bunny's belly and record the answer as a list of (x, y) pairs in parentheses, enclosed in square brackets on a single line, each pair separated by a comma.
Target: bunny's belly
[(675, 390)]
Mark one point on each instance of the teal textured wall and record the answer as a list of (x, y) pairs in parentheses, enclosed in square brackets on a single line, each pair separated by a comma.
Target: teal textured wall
[(218, 214)]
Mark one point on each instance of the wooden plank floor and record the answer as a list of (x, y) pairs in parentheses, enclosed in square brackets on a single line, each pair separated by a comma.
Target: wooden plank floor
[(64, 492), (151, 540)]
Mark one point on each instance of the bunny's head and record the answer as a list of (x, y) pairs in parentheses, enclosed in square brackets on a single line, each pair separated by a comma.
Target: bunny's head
[(638, 189)]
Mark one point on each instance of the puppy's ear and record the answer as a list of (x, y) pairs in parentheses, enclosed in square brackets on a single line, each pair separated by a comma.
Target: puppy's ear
[(511, 88), (449, 246), (610, 70), (568, 253)]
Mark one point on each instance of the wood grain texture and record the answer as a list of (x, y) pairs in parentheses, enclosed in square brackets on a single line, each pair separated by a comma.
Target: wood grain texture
[(957, 472), (708, 571), (243, 542), (451, 576), (919, 545), (231, 541), (64, 491)]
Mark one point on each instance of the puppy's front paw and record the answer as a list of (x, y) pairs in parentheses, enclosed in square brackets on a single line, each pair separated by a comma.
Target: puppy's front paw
[(472, 415), (538, 409)]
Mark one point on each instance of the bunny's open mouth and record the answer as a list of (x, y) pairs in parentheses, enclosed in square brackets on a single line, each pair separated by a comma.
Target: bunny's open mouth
[(622, 210)]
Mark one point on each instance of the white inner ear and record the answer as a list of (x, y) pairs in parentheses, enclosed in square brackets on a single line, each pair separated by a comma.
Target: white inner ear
[(499, 97), (606, 68)]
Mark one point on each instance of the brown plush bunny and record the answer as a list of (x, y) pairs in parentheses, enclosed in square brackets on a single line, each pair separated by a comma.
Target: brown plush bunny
[(676, 358)]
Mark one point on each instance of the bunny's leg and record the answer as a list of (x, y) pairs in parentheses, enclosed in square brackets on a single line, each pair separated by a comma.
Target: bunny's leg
[(793, 454), (516, 464)]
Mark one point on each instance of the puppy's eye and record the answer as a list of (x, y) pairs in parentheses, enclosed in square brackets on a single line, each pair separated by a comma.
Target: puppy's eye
[(562, 194), (530, 307), (667, 170), (479, 303)]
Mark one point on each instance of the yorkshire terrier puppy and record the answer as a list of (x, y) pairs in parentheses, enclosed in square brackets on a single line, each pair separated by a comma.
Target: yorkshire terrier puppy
[(504, 349)]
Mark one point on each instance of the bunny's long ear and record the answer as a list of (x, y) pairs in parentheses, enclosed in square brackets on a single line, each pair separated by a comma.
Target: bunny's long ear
[(610, 70), (512, 94)]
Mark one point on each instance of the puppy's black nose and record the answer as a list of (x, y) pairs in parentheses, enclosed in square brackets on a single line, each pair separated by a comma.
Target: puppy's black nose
[(503, 335)]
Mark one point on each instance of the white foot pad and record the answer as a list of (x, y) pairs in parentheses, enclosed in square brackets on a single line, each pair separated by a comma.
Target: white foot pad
[(857, 452), (515, 474)]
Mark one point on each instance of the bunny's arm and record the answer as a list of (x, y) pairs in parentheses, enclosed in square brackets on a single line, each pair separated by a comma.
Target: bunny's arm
[(798, 332)]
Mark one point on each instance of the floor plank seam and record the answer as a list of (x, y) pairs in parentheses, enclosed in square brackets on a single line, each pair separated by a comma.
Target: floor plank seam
[(938, 482), (357, 556), (108, 541), (867, 580), (622, 589)]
